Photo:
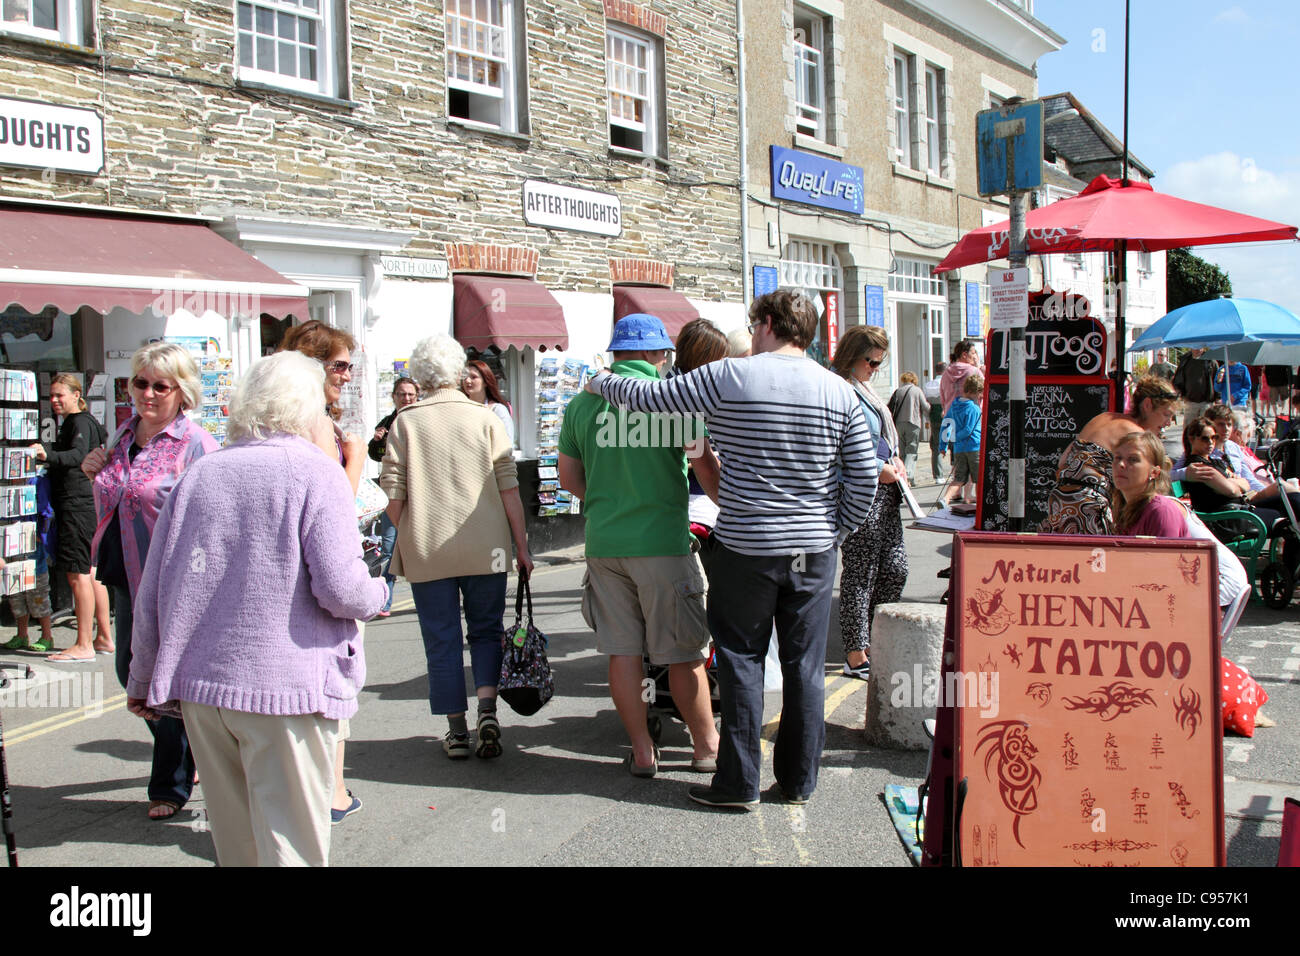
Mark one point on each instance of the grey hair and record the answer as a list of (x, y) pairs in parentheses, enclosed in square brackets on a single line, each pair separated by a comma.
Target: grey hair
[(280, 394), (437, 362), (739, 342), (1239, 421), (171, 361)]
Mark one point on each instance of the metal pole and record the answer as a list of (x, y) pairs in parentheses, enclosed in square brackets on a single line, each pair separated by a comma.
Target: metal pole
[(1016, 373), (1120, 279), (1124, 177)]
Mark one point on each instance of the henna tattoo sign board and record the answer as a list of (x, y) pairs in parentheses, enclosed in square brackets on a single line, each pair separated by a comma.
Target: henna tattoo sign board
[(1086, 692)]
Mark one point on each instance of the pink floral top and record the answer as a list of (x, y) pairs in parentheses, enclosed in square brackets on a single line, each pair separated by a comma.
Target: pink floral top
[(138, 490)]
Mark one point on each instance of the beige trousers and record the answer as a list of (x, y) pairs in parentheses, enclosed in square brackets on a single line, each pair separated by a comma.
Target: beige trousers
[(267, 781)]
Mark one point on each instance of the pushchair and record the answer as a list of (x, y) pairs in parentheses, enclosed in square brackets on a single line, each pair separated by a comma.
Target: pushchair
[(661, 706)]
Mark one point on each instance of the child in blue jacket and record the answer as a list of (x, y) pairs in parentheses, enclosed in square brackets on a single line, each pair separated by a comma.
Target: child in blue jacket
[(961, 432)]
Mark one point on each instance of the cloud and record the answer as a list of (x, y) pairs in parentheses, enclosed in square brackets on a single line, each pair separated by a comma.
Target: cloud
[(1232, 15), (1258, 270)]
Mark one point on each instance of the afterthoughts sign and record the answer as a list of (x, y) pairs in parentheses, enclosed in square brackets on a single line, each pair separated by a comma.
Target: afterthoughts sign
[(45, 136), (1090, 736), (553, 206)]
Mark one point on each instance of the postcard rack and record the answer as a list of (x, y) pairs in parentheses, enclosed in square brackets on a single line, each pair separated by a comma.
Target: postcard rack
[(19, 430)]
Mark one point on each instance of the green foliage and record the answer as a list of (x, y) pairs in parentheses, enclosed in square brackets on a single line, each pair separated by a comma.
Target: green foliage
[(1191, 279)]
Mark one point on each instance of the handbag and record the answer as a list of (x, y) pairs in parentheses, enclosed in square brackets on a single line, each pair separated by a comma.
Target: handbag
[(527, 682)]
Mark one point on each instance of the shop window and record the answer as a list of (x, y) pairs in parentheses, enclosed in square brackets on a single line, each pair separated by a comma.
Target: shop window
[(291, 44), (813, 269), (65, 21), (636, 99), (45, 341), (810, 76), (486, 57)]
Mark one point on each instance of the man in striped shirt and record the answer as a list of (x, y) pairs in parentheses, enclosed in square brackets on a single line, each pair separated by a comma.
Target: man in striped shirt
[(798, 476)]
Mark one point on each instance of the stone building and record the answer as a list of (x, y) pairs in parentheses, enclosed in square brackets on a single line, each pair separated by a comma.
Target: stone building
[(861, 170), (513, 172)]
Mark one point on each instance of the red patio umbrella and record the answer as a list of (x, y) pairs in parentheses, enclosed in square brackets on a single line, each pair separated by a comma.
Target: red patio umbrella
[(1111, 215), (1107, 212)]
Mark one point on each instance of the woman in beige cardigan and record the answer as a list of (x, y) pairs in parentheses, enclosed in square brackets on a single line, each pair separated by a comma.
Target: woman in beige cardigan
[(454, 499)]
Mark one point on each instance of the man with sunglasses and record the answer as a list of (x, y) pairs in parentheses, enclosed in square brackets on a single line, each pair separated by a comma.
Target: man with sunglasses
[(799, 476)]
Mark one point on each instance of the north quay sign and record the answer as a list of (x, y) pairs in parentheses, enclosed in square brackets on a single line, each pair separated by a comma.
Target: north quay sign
[(553, 206), (40, 135)]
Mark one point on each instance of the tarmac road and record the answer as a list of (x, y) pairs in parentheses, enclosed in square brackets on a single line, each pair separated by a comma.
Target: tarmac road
[(560, 794)]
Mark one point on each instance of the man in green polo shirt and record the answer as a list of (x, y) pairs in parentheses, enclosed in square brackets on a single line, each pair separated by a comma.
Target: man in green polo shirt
[(643, 594)]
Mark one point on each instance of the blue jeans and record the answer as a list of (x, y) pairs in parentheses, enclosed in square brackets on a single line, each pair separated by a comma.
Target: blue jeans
[(438, 604), (387, 538), (747, 594), (172, 776)]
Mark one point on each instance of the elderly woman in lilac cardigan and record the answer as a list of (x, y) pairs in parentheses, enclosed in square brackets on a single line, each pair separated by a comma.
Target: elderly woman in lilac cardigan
[(245, 618)]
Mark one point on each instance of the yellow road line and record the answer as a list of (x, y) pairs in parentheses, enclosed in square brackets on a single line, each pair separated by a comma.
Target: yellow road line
[(24, 734), (837, 698), (63, 716)]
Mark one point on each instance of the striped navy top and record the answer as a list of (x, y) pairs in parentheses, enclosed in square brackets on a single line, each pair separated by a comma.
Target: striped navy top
[(798, 464)]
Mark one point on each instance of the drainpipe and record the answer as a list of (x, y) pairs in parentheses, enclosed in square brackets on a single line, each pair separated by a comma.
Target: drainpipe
[(744, 156)]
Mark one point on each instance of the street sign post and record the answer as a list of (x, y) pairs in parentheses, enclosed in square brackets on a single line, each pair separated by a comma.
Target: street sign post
[(1009, 148)]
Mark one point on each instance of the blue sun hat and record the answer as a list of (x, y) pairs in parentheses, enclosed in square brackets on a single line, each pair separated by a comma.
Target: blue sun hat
[(639, 332)]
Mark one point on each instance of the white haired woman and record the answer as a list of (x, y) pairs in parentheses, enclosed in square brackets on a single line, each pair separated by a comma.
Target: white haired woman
[(455, 526), (246, 618), (132, 482)]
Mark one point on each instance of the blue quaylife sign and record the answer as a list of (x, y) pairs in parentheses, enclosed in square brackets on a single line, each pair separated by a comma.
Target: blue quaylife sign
[(814, 181), (875, 297)]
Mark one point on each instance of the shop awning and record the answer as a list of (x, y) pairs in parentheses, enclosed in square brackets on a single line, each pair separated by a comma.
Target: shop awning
[(666, 304), (71, 259), (505, 311)]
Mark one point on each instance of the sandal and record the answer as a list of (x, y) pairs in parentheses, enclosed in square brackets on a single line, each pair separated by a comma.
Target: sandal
[(163, 809), (17, 644), (43, 646), (63, 657)]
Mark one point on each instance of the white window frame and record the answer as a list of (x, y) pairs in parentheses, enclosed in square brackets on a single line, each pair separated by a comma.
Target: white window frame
[(68, 18), (808, 264), (505, 91), (934, 118), (810, 76), (912, 277), (326, 19), (648, 126), (902, 95)]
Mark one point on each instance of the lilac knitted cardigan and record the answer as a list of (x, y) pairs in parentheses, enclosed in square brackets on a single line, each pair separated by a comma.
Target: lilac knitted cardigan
[(253, 584)]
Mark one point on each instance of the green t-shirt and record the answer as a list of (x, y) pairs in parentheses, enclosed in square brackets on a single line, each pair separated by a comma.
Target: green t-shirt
[(636, 472)]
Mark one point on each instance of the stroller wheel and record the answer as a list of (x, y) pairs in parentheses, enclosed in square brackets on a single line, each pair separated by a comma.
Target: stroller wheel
[(655, 726), (1277, 586)]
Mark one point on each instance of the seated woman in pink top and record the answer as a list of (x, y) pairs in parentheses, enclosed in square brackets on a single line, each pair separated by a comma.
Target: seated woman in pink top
[(1141, 507), (246, 618)]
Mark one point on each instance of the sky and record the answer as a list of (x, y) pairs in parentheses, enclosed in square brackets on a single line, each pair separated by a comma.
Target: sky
[(1212, 92)]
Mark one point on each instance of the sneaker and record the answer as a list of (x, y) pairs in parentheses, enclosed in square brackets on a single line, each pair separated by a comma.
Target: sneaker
[(489, 735), (714, 798), (338, 816), (778, 794), (861, 672), (456, 746)]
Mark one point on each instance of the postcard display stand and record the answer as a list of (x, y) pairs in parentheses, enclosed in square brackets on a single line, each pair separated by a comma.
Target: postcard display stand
[(557, 382), (20, 418)]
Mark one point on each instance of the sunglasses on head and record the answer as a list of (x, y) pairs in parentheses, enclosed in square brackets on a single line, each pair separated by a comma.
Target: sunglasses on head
[(338, 368), (159, 388)]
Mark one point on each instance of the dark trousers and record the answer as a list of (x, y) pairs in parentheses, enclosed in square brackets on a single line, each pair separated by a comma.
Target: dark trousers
[(746, 595), (936, 459), (172, 776)]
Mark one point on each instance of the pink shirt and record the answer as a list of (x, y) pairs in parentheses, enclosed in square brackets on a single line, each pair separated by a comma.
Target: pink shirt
[(1163, 518)]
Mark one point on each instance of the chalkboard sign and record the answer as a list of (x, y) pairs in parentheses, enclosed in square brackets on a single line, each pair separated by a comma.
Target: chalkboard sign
[(1055, 412)]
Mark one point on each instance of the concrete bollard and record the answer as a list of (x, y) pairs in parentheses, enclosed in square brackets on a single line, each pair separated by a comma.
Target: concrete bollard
[(906, 642)]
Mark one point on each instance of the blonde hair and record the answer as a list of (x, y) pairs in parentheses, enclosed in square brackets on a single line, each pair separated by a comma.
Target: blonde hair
[(69, 381), (1127, 512), (171, 361), (908, 378), (972, 385)]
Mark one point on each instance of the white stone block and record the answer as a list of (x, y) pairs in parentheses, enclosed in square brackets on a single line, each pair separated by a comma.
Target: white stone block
[(906, 651)]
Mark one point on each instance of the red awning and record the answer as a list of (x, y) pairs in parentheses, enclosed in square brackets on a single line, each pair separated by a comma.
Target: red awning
[(505, 311), (669, 305), (71, 259)]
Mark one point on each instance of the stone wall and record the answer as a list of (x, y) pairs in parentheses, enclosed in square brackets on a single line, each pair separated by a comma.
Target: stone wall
[(183, 136)]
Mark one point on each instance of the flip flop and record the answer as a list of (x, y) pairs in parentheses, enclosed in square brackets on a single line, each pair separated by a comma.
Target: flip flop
[(63, 658), (169, 808), (110, 651)]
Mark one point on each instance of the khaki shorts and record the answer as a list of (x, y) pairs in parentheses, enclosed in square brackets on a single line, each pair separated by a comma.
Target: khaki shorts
[(965, 467), (651, 607)]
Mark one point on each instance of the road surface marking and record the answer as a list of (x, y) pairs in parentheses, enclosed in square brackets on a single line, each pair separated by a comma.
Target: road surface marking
[(30, 731)]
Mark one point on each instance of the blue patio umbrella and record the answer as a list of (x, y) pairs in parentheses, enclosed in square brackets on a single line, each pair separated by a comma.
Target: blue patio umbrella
[(1221, 322)]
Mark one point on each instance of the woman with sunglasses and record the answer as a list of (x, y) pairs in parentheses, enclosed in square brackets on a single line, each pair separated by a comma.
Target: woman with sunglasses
[(133, 480), (74, 516), (333, 348), (875, 561)]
